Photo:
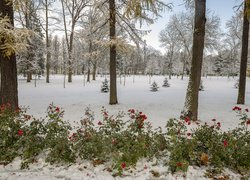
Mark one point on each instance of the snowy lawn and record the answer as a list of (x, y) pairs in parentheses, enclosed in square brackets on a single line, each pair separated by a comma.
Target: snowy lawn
[(216, 101)]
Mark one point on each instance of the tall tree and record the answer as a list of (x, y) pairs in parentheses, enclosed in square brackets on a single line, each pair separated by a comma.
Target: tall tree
[(112, 35), (75, 10), (243, 63), (192, 95), (133, 9), (8, 91)]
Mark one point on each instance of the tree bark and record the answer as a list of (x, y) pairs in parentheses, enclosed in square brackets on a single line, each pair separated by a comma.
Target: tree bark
[(243, 62), (112, 68), (94, 71), (192, 95), (8, 90), (48, 55)]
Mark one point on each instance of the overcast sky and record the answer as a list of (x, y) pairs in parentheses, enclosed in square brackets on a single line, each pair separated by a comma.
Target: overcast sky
[(223, 8)]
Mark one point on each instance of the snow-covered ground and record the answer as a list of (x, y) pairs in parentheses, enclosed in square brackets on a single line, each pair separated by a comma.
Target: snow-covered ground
[(216, 101)]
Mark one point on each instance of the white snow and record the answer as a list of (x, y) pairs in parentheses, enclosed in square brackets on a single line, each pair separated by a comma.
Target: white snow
[(216, 101)]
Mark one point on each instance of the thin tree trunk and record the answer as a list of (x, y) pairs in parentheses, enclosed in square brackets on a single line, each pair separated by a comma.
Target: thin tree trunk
[(112, 68), (243, 63), (48, 55), (8, 90), (94, 71), (88, 73), (192, 95), (29, 75)]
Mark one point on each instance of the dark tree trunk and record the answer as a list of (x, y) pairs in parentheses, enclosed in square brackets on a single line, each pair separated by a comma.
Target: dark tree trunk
[(48, 55), (8, 91), (243, 62), (94, 71), (192, 96), (29, 76), (112, 68), (88, 73)]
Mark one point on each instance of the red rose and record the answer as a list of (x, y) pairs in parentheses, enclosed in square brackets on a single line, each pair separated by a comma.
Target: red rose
[(99, 123), (246, 110), (248, 122), (123, 165), (179, 164), (225, 143), (236, 108), (218, 124), (132, 116), (188, 134), (57, 109), (20, 132), (213, 119), (132, 111), (187, 119)]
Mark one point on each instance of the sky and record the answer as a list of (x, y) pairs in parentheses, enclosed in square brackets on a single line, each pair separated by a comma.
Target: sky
[(223, 8)]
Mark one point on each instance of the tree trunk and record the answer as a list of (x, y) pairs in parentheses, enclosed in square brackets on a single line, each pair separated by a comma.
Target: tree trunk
[(112, 34), (48, 55), (243, 62), (94, 71), (192, 95), (29, 76), (88, 73), (8, 90)]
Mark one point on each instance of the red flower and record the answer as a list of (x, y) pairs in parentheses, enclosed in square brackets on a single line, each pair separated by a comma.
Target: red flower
[(188, 134), (57, 109), (187, 119), (248, 122), (236, 108), (20, 132), (218, 124), (123, 165), (179, 164), (213, 119), (132, 111), (211, 127), (105, 113), (132, 116), (143, 116), (225, 143), (99, 123), (246, 110)]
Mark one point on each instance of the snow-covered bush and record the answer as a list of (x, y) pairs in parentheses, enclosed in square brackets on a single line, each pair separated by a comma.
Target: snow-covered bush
[(105, 86), (154, 87), (165, 83), (123, 143)]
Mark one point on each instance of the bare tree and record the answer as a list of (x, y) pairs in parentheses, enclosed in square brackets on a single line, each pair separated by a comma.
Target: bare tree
[(75, 9)]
